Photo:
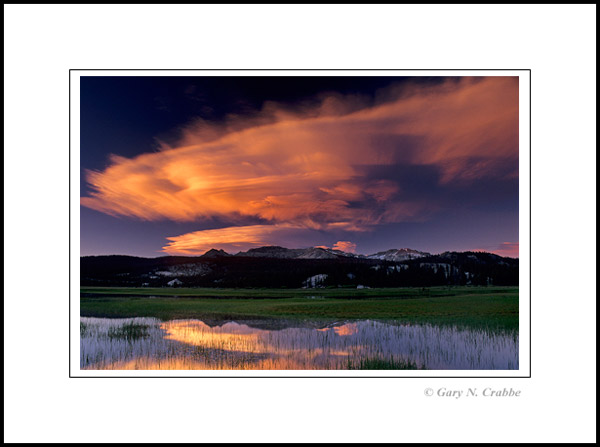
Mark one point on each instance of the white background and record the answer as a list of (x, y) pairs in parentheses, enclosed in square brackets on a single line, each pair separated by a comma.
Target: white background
[(42, 404)]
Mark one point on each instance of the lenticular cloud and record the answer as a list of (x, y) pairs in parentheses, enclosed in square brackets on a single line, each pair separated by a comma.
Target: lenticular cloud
[(321, 167)]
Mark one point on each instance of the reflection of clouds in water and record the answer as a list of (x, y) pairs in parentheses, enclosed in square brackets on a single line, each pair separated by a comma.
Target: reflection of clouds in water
[(192, 344), (347, 329)]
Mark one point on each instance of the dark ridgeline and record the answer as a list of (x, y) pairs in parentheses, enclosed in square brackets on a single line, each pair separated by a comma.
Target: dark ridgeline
[(277, 267)]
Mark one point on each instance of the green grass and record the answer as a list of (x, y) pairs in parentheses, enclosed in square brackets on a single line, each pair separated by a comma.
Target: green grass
[(379, 363), (397, 292), (129, 331), (481, 307)]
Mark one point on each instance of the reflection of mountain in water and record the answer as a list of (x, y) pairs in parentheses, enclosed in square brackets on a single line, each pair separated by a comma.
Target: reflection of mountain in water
[(286, 344), (273, 324)]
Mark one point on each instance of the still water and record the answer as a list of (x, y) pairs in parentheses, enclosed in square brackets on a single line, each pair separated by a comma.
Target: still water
[(148, 343)]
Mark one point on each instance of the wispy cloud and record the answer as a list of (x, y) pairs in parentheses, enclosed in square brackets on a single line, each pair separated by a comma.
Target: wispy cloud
[(230, 239), (320, 166), (240, 238)]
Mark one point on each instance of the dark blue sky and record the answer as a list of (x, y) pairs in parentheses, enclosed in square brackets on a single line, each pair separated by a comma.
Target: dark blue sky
[(124, 115), (431, 183)]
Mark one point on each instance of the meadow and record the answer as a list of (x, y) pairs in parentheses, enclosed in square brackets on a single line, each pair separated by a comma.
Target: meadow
[(493, 308)]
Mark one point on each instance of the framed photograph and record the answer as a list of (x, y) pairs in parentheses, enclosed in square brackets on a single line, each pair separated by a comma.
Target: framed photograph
[(300, 223), (361, 223)]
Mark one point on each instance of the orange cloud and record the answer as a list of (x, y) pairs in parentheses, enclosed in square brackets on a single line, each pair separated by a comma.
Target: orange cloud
[(239, 238), (349, 247), (310, 167), (230, 239)]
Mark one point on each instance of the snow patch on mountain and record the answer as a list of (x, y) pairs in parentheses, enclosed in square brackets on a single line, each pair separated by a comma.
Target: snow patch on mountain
[(275, 251), (400, 254)]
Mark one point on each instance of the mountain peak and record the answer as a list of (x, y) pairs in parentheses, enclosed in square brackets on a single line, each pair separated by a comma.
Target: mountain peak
[(398, 254), (214, 253), (317, 253), (270, 251), (275, 251)]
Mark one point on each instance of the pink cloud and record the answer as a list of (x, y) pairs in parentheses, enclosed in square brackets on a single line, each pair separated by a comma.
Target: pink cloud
[(508, 249), (308, 167), (349, 247)]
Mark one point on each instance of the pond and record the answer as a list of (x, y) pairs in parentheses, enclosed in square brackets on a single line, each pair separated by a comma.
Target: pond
[(149, 343)]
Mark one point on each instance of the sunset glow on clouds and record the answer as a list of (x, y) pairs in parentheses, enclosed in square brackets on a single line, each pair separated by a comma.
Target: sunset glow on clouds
[(239, 238), (335, 165), (348, 247), (509, 249), (230, 239)]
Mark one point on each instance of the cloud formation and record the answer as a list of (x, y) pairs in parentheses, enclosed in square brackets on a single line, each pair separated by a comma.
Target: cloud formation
[(240, 238), (231, 239), (335, 165), (347, 246)]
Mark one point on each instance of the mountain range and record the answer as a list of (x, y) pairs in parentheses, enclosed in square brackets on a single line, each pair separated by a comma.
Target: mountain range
[(274, 251), (274, 266)]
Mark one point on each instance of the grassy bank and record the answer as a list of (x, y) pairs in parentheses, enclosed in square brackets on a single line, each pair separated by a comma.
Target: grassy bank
[(491, 307), (404, 292)]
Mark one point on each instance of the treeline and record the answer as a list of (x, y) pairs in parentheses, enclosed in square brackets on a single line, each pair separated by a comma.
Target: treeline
[(447, 269)]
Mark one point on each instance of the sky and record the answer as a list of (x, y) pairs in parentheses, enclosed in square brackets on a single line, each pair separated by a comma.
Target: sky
[(180, 165)]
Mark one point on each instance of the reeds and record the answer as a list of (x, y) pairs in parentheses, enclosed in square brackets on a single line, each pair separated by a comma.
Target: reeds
[(148, 343)]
